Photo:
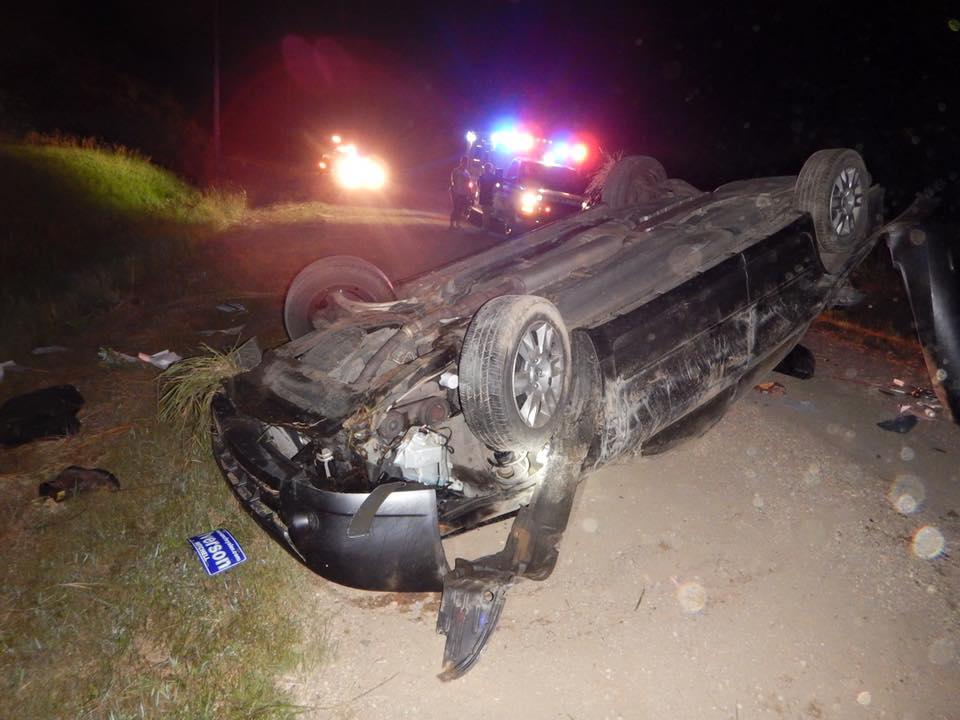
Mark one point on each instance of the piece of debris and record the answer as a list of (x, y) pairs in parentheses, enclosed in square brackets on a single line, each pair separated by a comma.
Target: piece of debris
[(898, 382), (48, 350), (113, 358), (232, 307), (236, 330), (640, 599), (770, 388), (75, 480), (217, 551), (892, 392), (901, 424), (249, 355), (46, 413), (6, 366), (162, 359), (799, 363)]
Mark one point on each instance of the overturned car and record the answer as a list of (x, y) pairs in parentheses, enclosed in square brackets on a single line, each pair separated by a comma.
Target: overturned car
[(399, 415)]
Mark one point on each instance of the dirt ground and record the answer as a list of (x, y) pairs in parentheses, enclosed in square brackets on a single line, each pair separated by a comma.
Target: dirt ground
[(762, 571), (797, 561)]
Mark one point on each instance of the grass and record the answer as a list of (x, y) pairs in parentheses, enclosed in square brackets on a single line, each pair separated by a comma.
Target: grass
[(187, 389), (105, 611), (83, 225)]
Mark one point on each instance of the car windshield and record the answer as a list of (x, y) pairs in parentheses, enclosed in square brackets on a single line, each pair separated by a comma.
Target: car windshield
[(553, 177)]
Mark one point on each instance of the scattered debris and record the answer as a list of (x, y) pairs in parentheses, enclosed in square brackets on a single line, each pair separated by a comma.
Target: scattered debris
[(75, 480), (236, 330), (232, 307), (770, 388), (901, 424), (217, 551), (927, 405), (162, 359), (48, 350), (640, 600), (113, 358), (49, 412), (799, 363)]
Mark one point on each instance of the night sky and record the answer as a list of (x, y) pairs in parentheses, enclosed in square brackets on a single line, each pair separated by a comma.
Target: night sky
[(716, 92)]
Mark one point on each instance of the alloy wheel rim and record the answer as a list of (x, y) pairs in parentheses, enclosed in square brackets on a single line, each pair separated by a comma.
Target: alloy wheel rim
[(846, 201), (538, 368)]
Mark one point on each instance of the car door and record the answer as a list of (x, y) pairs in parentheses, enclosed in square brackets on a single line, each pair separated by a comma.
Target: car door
[(672, 354)]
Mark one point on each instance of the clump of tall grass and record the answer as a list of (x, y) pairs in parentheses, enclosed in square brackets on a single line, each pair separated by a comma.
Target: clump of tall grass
[(187, 389)]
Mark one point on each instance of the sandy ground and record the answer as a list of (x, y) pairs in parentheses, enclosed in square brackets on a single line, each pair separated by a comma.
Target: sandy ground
[(762, 571)]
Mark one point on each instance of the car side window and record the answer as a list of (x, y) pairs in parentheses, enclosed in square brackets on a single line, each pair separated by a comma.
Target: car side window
[(514, 170)]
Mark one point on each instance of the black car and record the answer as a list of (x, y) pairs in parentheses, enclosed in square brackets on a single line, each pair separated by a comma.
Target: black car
[(399, 415)]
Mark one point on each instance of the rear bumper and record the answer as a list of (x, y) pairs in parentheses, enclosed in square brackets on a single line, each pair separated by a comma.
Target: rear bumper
[(384, 540)]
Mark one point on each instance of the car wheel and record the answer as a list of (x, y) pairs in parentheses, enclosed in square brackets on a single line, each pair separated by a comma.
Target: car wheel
[(515, 372), (832, 187), (311, 288), (632, 180)]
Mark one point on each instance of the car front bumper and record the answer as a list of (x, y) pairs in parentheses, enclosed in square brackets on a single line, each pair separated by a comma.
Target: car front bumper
[(387, 539)]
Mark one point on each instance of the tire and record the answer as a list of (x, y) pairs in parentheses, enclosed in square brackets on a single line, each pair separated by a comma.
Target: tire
[(494, 361), (832, 187), (350, 275), (632, 180)]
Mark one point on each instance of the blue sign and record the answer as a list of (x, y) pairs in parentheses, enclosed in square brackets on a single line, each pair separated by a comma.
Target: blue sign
[(218, 551)]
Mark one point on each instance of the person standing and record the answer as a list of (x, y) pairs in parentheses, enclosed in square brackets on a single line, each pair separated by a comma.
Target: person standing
[(459, 192), (486, 186)]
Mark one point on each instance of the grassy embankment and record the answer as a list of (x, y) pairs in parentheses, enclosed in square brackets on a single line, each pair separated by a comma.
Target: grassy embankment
[(82, 225), (104, 610)]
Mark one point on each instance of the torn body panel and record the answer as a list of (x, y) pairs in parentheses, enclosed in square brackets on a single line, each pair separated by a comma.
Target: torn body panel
[(928, 257)]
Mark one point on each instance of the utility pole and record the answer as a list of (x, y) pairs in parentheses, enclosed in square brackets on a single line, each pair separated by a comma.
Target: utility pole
[(217, 157)]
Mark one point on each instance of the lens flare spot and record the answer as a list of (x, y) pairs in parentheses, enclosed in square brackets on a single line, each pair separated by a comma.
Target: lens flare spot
[(907, 494), (590, 525), (928, 543), (864, 698), (907, 453), (692, 597)]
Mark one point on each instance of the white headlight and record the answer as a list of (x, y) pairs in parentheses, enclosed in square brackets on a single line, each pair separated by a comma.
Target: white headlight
[(355, 173)]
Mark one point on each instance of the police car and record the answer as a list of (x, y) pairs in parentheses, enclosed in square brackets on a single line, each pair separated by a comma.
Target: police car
[(537, 180)]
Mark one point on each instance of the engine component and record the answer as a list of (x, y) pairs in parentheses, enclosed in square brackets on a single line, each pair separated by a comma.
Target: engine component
[(423, 457), (324, 457), (392, 426), (510, 467), (433, 410)]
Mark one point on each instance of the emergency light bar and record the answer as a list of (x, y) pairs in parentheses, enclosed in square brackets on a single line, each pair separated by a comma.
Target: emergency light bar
[(520, 142)]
